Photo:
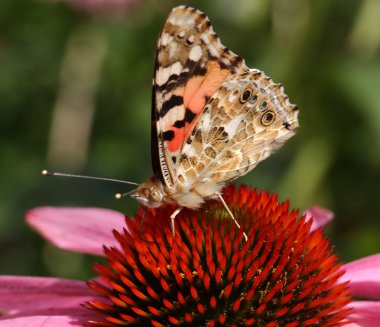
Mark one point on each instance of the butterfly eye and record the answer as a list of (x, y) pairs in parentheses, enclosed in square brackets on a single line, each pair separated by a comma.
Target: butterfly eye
[(245, 95), (267, 118), (263, 105), (155, 195)]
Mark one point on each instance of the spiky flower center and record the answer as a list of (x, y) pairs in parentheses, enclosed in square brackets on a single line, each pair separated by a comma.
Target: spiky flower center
[(208, 275)]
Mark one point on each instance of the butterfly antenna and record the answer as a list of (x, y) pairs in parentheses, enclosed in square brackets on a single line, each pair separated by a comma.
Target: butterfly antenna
[(54, 173), (123, 195)]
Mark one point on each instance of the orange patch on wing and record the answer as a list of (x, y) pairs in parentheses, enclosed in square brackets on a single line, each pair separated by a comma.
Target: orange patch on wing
[(194, 94), (176, 143), (199, 88)]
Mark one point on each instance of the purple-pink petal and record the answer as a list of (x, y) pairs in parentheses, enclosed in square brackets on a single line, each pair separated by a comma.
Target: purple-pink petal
[(64, 320), (83, 230), (364, 277), (365, 314), (39, 301), (320, 216)]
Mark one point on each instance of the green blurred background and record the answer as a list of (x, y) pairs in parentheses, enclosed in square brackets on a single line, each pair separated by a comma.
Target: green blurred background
[(75, 90)]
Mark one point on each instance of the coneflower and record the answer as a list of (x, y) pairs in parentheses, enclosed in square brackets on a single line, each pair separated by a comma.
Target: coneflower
[(208, 275)]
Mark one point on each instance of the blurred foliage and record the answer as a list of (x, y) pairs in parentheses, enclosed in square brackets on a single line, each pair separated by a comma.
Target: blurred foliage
[(75, 92)]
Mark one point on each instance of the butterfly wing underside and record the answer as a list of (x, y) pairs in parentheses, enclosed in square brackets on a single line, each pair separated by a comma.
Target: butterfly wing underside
[(242, 124), (191, 64)]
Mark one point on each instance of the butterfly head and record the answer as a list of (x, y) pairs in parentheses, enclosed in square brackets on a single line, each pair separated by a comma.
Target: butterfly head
[(150, 193)]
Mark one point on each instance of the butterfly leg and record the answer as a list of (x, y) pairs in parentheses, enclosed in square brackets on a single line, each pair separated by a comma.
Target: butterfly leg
[(231, 214), (172, 217), (142, 221)]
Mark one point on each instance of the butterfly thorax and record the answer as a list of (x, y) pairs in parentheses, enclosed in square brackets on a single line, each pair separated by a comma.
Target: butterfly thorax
[(153, 193)]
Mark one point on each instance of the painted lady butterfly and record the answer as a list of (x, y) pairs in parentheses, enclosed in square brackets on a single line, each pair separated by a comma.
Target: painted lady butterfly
[(213, 118)]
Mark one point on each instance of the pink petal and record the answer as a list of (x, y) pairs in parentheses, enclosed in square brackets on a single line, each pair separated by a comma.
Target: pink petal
[(365, 314), (82, 230), (67, 320), (320, 216), (33, 301), (364, 277)]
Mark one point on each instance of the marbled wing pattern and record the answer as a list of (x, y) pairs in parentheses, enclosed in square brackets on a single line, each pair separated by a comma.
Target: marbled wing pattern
[(247, 118)]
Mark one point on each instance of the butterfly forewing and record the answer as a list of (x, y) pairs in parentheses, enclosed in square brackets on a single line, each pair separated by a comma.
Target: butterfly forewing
[(191, 64)]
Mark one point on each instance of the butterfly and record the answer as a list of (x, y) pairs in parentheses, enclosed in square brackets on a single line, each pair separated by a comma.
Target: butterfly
[(213, 118)]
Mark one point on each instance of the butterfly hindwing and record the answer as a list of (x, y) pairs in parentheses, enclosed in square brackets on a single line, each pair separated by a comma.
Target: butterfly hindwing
[(244, 121), (191, 65)]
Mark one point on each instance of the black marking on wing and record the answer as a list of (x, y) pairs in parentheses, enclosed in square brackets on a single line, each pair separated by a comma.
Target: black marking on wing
[(235, 62), (173, 101), (183, 157), (173, 82), (191, 68), (189, 117), (199, 71), (168, 135)]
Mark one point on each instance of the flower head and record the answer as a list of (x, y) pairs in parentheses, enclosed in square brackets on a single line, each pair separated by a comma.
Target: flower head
[(208, 275), (285, 275)]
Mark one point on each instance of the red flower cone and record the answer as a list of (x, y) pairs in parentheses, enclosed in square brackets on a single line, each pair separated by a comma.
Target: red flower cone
[(208, 275)]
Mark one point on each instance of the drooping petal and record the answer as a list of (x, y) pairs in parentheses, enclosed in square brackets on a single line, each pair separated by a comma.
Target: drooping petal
[(68, 320), (364, 277), (320, 216), (82, 230), (40, 301), (365, 314)]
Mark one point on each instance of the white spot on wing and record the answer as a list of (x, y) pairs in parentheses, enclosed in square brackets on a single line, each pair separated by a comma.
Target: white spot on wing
[(213, 50), (232, 126), (182, 20), (175, 113), (226, 61), (205, 123), (190, 151), (191, 38), (181, 34), (172, 49), (204, 38), (232, 97), (165, 39), (195, 53), (163, 73)]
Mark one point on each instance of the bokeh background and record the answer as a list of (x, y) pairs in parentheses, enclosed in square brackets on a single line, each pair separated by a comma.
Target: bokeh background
[(75, 90)]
